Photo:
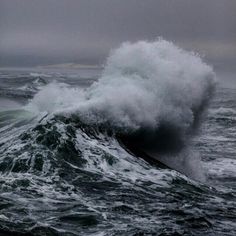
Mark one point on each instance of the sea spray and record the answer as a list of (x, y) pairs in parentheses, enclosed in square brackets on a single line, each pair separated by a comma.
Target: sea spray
[(143, 84)]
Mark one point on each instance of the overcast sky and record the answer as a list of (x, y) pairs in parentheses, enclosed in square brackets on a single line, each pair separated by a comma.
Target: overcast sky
[(38, 32)]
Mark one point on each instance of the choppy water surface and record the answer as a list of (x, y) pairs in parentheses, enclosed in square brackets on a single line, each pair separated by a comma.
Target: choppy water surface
[(61, 176)]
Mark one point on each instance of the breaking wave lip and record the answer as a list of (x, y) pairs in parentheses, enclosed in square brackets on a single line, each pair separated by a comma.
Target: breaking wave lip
[(151, 94)]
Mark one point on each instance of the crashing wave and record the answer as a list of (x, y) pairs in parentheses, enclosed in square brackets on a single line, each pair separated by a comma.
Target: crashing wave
[(151, 95)]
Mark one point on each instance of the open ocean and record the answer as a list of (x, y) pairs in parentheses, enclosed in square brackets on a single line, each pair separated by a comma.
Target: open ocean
[(83, 156)]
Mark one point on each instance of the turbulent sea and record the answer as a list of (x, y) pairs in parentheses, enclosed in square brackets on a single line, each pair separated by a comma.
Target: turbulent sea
[(144, 147)]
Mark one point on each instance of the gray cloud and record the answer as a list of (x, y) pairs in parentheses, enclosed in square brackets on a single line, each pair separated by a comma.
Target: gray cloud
[(36, 32)]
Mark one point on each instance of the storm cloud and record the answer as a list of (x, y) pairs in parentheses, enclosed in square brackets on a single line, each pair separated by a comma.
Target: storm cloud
[(34, 32)]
